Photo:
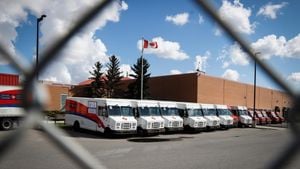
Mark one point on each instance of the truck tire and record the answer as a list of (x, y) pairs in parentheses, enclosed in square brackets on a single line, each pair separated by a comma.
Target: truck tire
[(107, 132), (76, 126), (140, 132), (7, 124)]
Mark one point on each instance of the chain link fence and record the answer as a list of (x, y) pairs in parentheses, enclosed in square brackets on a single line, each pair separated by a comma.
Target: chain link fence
[(34, 101)]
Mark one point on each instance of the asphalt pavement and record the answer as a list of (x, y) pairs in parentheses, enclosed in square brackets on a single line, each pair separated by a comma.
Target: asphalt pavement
[(245, 148)]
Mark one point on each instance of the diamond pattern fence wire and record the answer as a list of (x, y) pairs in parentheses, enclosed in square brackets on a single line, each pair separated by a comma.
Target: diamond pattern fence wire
[(33, 94)]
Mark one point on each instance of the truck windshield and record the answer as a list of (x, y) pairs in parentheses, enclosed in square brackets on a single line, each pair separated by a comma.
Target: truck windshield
[(209, 112), (194, 112), (114, 110), (126, 111), (242, 112), (224, 112), (166, 111), (120, 111), (149, 111)]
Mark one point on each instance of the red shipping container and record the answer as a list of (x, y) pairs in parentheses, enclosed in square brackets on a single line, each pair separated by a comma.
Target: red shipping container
[(9, 79)]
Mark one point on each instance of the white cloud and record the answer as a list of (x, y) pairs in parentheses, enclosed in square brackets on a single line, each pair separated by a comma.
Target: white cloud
[(294, 77), (175, 72), (238, 16), (201, 19), (270, 10), (234, 55), (271, 45), (126, 70), (166, 49), (201, 61), (217, 32), (11, 14), (293, 47), (231, 75), (225, 64), (268, 46), (178, 19), (80, 53)]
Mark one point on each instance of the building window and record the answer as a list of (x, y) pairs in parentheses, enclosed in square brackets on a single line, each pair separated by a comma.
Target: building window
[(63, 98)]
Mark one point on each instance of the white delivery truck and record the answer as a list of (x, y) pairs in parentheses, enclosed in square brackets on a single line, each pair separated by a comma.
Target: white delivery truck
[(224, 114), (244, 118), (170, 114), (149, 120), (109, 116), (210, 114), (10, 107), (192, 116)]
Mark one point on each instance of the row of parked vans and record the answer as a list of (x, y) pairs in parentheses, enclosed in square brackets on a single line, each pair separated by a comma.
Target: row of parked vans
[(127, 116), (264, 117)]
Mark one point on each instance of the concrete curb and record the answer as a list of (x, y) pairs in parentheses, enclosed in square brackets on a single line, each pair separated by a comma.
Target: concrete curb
[(270, 127)]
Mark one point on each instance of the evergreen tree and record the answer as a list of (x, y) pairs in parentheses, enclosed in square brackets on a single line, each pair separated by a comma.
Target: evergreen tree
[(97, 85), (134, 89), (113, 78)]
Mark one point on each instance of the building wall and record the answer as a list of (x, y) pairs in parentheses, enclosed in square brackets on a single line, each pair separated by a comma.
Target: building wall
[(215, 90), (9, 79), (175, 87), (234, 93), (210, 90), (55, 91)]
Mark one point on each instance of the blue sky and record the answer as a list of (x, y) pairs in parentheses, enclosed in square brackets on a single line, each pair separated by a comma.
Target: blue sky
[(187, 38)]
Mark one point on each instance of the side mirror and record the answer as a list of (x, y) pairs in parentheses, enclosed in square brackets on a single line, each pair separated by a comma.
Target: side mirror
[(135, 113)]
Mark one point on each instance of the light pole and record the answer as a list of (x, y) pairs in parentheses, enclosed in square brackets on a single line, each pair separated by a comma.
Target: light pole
[(254, 93), (38, 20)]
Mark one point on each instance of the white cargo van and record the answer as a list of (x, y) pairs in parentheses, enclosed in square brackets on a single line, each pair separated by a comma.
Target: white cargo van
[(170, 114), (210, 114), (244, 118), (192, 116), (224, 114), (104, 115), (149, 120)]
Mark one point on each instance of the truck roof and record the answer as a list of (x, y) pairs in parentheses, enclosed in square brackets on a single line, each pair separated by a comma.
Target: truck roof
[(207, 106), (193, 106), (145, 103), (242, 107), (119, 102), (221, 106), (167, 104)]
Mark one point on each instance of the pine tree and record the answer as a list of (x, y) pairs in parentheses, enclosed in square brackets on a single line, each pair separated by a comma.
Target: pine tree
[(97, 85), (134, 89), (113, 78)]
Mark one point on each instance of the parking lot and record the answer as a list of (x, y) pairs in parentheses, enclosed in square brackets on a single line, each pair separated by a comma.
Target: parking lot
[(235, 148)]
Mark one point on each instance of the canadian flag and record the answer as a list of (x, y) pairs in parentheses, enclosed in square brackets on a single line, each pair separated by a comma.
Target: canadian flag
[(149, 44)]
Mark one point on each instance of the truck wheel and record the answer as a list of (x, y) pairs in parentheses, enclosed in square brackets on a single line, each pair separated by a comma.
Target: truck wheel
[(107, 132), (140, 132), (76, 126), (7, 124)]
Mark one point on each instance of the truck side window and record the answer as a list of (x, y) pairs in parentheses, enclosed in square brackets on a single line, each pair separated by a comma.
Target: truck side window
[(102, 111), (181, 112), (135, 112)]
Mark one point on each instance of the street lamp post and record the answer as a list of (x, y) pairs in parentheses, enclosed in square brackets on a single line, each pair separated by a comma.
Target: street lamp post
[(38, 20), (254, 93)]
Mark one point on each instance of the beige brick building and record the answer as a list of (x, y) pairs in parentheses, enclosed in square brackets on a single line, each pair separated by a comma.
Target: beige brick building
[(201, 88)]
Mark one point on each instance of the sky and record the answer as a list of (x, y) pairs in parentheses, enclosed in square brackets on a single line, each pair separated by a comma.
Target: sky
[(187, 38)]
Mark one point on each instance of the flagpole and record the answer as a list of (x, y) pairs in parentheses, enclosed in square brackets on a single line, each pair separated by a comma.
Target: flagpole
[(142, 71)]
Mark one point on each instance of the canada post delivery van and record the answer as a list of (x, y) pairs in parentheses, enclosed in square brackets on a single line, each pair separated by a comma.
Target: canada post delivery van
[(224, 114), (147, 114), (192, 116), (210, 114), (103, 115), (170, 114)]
